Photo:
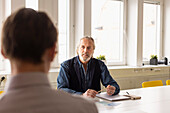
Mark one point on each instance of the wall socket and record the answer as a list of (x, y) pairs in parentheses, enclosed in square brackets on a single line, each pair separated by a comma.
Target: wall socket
[(4, 81), (138, 70)]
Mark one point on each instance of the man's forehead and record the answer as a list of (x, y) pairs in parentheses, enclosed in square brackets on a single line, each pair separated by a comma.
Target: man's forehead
[(86, 41)]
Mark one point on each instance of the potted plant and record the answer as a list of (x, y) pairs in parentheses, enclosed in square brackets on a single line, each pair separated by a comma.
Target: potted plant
[(102, 57), (154, 60)]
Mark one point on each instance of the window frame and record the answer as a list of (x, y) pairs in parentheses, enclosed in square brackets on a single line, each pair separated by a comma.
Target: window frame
[(73, 37), (70, 37)]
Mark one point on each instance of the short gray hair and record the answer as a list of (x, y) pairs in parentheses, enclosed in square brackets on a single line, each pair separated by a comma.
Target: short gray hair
[(89, 38)]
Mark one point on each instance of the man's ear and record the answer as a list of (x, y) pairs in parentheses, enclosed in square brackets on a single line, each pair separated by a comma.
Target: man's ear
[(52, 53), (2, 52)]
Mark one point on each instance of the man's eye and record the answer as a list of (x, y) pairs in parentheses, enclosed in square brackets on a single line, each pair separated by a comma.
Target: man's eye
[(88, 48), (82, 47)]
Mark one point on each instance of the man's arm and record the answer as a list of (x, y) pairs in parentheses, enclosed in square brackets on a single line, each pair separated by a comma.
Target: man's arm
[(63, 81), (107, 79)]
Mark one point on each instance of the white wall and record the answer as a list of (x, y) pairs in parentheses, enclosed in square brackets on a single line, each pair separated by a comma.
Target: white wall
[(129, 78)]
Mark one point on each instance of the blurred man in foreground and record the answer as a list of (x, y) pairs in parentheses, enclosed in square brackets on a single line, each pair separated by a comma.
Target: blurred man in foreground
[(29, 41)]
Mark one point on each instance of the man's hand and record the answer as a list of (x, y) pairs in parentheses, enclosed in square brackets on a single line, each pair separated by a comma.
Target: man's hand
[(110, 90), (90, 93)]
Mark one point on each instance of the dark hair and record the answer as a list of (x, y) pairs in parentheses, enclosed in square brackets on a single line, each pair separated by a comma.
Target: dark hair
[(26, 35)]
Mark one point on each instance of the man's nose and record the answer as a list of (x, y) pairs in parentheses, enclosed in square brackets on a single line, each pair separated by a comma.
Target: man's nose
[(85, 49)]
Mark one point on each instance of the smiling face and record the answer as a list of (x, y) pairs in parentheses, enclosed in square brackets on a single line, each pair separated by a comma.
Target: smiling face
[(85, 50)]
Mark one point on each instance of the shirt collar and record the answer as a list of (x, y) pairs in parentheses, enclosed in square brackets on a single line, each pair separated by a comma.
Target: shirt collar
[(80, 64), (27, 79)]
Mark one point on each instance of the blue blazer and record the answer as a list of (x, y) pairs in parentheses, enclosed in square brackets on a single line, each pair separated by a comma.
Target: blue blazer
[(72, 79)]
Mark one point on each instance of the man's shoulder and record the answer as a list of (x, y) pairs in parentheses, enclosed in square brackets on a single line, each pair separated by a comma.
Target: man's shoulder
[(77, 102), (57, 101), (72, 98), (99, 61), (68, 62)]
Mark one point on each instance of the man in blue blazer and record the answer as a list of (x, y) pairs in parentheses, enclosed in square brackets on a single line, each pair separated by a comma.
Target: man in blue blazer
[(83, 73)]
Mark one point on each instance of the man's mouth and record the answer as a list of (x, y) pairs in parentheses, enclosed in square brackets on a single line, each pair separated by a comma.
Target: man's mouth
[(85, 55)]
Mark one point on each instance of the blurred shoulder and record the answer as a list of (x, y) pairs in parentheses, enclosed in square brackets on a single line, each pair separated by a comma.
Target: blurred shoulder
[(69, 62), (77, 102), (99, 61)]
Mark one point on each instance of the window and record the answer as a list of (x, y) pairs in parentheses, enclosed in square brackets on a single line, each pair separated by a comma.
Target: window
[(5, 11), (63, 25), (62, 19), (151, 30), (107, 30)]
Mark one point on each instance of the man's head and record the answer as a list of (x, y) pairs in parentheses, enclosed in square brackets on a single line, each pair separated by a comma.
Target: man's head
[(27, 34), (85, 49)]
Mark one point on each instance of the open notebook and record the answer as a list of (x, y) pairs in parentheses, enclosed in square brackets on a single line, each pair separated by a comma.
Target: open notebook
[(104, 95), (118, 97)]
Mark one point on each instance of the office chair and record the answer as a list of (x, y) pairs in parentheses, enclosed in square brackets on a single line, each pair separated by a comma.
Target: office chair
[(1, 92), (167, 82), (152, 83)]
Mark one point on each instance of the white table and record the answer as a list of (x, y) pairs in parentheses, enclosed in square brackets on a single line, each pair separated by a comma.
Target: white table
[(153, 100)]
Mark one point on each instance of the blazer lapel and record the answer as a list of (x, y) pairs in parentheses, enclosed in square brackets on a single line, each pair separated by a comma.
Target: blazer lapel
[(91, 69), (77, 70)]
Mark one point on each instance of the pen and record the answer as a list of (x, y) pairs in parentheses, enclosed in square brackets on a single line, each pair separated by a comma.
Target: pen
[(101, 90), (127, 92)]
